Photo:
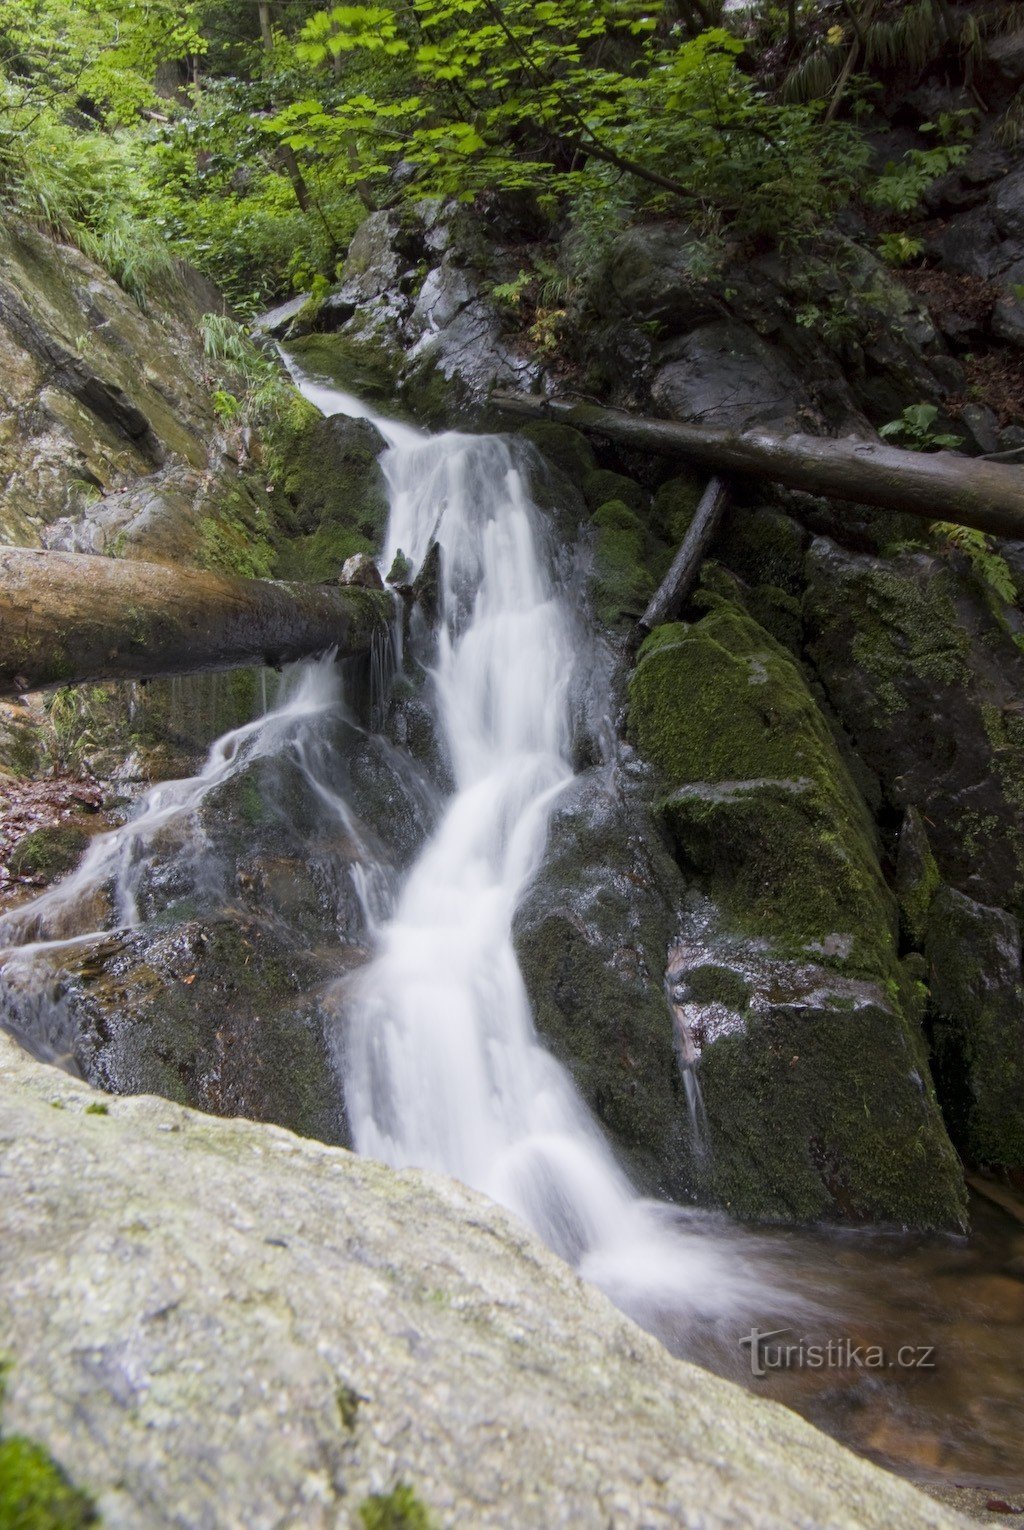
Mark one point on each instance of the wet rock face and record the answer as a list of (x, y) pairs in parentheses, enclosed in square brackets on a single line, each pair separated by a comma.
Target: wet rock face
[(109, 440), (408, 1330), (977, 1006), (591, 936), (724, 374), (816, 1089), (411, 322), (929, 685), (788, 986)]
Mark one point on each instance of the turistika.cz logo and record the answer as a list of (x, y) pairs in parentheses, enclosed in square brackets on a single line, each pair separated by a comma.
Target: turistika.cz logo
[(767, 1354)]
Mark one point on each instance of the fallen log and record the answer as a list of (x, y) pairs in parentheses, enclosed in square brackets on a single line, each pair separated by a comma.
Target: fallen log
[(937, 486), (667, 601), (67, 618)]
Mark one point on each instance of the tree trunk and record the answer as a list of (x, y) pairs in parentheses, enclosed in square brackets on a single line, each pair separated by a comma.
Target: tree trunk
[(937, 486), (677, 583), (66, 618)]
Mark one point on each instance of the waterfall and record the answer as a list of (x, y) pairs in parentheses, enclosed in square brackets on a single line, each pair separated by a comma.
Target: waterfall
[(442, 1066), (440, 1063)]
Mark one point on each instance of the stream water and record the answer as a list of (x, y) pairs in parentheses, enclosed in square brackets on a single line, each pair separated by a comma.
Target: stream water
[(439, 1060)]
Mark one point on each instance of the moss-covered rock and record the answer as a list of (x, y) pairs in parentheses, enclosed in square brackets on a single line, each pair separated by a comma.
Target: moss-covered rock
[(929, 687), (675, 502), (623, 583), (331, 494), (917, 879), (764, 547), (601, 485), (816, 1087), (977, 1008), (816, 1090), (592, 936), (758, 799), (567, 449), (50, 852), (363, 365)]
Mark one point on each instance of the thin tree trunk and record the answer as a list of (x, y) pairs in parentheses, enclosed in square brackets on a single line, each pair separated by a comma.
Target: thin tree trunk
[(66, 618), (668, 600), (936, 486)]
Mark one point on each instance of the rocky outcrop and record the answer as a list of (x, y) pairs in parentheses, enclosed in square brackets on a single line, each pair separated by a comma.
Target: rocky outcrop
[(412, 321), (109, 441), (276, 1332), (814, 1075), (920, 663)]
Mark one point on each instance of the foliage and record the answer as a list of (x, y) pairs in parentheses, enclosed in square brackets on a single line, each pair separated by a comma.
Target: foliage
[(913, 429), (899, 249), (263, 390), (990, 567), (471, 96)]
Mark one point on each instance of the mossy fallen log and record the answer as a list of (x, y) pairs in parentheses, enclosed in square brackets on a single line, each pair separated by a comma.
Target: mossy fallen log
[(67, 618), (937, 486)]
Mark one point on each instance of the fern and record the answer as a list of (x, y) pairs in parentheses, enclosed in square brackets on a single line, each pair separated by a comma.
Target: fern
[(977, 547)]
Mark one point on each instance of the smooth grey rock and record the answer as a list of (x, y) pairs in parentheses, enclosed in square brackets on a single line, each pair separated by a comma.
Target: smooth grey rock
[(725, 374), (213, 1323), (361, 570)]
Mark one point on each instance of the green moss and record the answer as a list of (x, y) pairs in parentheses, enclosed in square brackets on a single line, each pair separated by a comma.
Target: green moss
[(49, 852), (917, 879), (231, 545), (765, 548), (713, 984), (622, 583), (977, 1002), (97, 1108), (321, 556), (830, 1117), (398, 1510), (360, 365), (674, 505), (34, 1492), (567, 449), (906, 625), (600, 485), (756, 796)]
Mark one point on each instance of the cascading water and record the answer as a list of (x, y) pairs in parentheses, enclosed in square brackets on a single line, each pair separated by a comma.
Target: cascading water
[(440, 1062), (442, 1066)]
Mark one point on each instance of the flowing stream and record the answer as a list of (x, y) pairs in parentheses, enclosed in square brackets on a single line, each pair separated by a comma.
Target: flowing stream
[(442, 1066), (439, 1060)]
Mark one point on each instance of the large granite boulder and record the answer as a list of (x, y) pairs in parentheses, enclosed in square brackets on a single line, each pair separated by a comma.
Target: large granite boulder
[(212, 1322)]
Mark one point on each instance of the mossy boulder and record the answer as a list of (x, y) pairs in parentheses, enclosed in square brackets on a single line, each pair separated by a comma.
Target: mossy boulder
[(815, 1087), (592, 935), (764, 547), (601, 485), (765, 817), (335, 497), (363, 365), (675, 502), (977, 1010), (50, 852), (919, 663), (567, 449), (622, 583), (757, 797)]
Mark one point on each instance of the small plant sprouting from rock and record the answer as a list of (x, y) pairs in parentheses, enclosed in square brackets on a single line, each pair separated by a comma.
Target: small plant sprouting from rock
[(913, 429), (398, 1510)]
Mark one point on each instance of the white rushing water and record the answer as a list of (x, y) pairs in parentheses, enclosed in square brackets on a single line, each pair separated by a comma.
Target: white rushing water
[(443, 1067)]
